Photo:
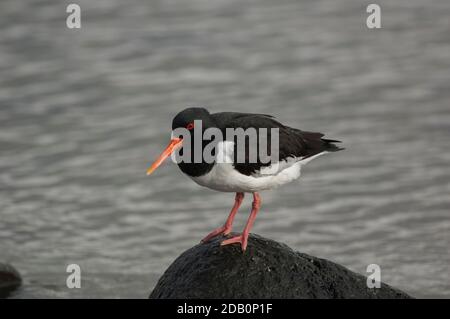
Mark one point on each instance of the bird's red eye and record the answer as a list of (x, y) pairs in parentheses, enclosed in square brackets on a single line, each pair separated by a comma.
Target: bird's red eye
[(190, 126)]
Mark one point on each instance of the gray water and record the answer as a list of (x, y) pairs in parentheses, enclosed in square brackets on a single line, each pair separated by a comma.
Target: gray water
[(84, 112)]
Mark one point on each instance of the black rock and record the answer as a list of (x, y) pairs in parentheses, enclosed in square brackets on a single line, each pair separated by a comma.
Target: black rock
[(9, 280), (266, 270)]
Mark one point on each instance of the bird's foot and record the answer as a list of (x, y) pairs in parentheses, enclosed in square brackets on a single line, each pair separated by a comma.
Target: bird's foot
[(223, 230), (242, 239)]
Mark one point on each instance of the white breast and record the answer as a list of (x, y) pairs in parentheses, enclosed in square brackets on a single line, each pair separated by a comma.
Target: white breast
[(223, 177)]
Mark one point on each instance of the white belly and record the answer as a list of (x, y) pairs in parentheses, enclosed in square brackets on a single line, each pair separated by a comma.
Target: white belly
[(223, 177)]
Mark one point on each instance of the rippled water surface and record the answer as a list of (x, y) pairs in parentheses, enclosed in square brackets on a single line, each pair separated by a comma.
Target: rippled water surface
[(83, 112)]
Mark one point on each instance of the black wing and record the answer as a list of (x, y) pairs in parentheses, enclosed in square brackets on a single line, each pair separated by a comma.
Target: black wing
[(293, 143)]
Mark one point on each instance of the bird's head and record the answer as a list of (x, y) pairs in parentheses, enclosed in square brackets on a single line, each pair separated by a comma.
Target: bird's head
[(187, 117), (186, 121)]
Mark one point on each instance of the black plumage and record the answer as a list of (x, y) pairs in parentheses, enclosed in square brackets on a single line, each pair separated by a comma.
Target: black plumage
[(293, 143)]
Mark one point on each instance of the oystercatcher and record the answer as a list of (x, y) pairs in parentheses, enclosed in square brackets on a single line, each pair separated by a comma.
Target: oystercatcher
[(295, 148)]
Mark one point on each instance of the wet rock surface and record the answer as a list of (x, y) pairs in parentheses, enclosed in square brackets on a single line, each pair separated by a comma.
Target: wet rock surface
[(9, 280), (267, 269)]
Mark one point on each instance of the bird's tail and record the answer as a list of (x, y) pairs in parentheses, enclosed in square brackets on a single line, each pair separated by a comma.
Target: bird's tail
[(330, 145)]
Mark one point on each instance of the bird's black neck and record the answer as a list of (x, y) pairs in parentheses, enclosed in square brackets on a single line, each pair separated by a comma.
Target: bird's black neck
[(195, 169)]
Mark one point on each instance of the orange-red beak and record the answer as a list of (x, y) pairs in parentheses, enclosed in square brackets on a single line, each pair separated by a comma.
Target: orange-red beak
[(174, 144)]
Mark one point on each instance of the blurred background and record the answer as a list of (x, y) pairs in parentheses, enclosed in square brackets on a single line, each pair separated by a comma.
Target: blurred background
[(83, 112)]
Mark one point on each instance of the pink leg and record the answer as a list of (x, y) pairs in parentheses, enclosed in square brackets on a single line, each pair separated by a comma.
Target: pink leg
[(226, 228), (243, 238)]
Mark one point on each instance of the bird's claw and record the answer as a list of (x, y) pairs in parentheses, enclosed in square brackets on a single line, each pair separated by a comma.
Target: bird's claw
[(242, 239), (223, 230)]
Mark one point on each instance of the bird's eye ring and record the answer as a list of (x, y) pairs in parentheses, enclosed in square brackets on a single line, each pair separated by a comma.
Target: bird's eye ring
[(190, 126)]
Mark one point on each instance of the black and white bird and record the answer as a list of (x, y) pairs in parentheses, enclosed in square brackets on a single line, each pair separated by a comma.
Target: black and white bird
[(295, 149)]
